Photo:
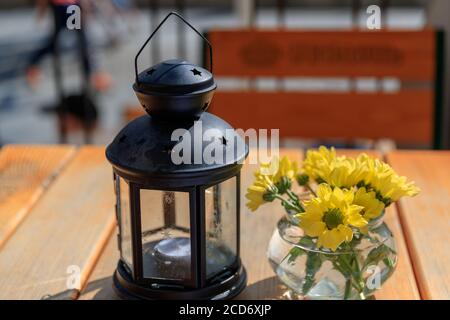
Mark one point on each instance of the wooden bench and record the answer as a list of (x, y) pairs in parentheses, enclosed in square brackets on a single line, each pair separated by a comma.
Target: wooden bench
[(411, 115)]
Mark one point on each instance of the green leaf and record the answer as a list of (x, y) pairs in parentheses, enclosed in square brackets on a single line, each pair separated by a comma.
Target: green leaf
[(389, 262), (294, 253), (378, 254), (297, 251), (313, 264)]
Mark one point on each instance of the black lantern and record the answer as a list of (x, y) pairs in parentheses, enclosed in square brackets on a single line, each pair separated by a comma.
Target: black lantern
[(178, 220)]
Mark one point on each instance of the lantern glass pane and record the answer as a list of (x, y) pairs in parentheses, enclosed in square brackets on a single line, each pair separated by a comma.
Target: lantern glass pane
[(166, 241), (123, 199), (221, 227)]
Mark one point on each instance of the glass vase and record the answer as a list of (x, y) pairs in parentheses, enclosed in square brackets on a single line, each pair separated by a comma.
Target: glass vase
[(354, 271)]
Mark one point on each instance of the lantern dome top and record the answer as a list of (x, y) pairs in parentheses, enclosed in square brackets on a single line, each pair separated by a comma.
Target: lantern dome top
[(174, 89), (174, 77)]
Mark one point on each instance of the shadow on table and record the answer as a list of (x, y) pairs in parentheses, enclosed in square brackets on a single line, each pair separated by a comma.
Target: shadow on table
[(70, 294), (270, 288), (267, 289), (101, 289)]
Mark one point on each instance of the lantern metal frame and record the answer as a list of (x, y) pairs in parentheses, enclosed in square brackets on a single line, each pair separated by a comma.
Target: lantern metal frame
[(198, 286)]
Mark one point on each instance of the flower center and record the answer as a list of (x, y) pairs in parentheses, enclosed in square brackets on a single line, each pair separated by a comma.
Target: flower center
[(333, 218)]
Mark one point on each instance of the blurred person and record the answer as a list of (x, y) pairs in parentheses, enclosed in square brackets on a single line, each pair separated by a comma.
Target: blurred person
[(75, 111), (100, 80)]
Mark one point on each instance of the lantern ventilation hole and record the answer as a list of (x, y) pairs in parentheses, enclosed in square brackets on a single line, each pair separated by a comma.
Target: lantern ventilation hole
[(151, 71), (195, 72), (224, 141)]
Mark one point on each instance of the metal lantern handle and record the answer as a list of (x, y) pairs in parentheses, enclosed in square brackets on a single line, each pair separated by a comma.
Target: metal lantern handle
[(156, 30)]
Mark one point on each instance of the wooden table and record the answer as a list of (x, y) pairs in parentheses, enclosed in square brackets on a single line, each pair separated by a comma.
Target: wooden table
[(57, 218)]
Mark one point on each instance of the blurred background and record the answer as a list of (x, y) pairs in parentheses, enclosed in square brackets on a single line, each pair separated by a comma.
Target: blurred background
[(93, 67)]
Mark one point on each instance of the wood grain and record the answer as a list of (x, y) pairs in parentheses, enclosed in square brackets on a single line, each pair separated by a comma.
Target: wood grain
[(402, 285), (25, 173), (100, 285), (408, 55), (256, 230), (346, 115), (69, 226), (426, 218)]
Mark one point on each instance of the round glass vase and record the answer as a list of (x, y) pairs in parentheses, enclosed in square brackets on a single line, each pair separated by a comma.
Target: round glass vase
[(354, 271)]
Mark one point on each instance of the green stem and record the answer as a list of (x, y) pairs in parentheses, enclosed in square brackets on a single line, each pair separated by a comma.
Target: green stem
[(288, 204), (295, 198), (358, 271), (308, 187), (348, 288), (348, 271), (346, 275)]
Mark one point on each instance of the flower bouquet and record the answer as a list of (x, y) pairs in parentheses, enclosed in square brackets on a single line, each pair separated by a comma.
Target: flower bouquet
[(332, 243)]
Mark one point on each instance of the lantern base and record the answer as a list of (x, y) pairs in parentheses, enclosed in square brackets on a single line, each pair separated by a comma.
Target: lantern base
[(125, 288)]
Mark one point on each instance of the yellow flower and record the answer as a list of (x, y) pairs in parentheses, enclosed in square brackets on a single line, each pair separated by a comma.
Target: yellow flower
[(281, 172), (278, 169), (372, 206), (344, 173), (323, 165), (330, 215), (388, 185), (286, 168), (262, 185), (317, 162)]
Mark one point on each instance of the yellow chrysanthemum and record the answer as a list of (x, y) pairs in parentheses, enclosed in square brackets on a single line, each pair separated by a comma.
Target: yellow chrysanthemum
[(372, 206), (330, 215), (276, 169), (344, 172), (317, 162), (386, 182), (255, 193), (286, 168)]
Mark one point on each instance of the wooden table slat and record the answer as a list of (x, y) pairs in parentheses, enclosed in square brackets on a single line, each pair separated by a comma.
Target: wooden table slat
[(402, 285), (426, 218), (25, 173), (69, 226)]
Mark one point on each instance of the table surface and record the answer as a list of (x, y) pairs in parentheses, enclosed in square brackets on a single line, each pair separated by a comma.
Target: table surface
[(57, 220)]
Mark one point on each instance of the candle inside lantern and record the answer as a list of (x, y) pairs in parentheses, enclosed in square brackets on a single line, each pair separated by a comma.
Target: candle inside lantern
[(170, 258), (167, 250)]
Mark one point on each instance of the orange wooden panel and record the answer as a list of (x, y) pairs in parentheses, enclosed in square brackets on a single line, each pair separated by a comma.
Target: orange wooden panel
[(64, 233), (426, 218), (405, 117), (408, 55), (25, 173)]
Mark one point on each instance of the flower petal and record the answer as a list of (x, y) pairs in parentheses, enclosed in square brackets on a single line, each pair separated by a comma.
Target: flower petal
[(312, 228), (357, 220)]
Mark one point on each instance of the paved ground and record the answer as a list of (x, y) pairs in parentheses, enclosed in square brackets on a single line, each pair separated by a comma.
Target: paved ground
[(21, 120)]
